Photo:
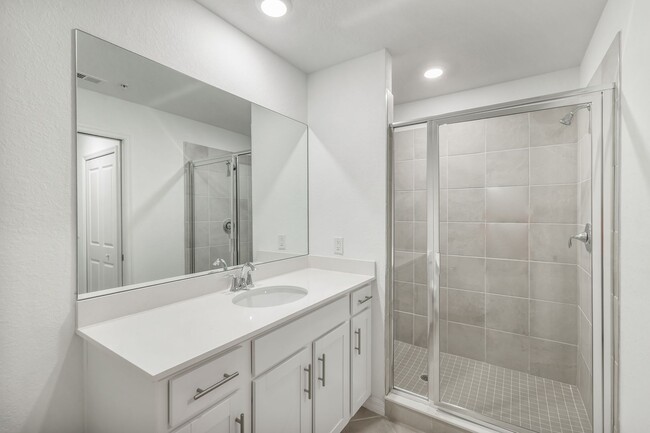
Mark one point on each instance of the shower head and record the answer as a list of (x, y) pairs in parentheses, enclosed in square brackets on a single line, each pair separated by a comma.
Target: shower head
[(568, 118)]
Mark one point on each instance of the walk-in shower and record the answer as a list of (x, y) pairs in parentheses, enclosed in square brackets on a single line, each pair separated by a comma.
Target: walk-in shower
[(495, 317), (218, 211)]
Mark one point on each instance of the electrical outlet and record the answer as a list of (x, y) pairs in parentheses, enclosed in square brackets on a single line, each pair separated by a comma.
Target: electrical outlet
[(282, 242), (338, 246)]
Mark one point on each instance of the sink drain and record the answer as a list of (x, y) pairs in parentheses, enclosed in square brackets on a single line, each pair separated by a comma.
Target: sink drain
[(424, 377)]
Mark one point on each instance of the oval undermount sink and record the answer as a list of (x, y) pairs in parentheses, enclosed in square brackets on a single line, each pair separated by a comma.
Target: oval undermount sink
[(269, 296)]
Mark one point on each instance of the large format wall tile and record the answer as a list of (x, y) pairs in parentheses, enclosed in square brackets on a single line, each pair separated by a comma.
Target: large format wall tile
[(403, 297), (549, 243), (466, 273), (507, 168), (404, 236), (466, 307), (403, 266), (585, 292), (465, 340), (507, 132), (585, 344), (404, 176), (404, 327), (420, 205), (403, 145), (404, 205), (505, 313), (552, 165), (466, 205), (466, 137), (507, 241), (508, 350), (466, 171), (554, 321), (466, 239), (553, 282), (546, 129), (507, 204), (420, 143), (420, 331), (553, 360), (554, 204), (507, 277)]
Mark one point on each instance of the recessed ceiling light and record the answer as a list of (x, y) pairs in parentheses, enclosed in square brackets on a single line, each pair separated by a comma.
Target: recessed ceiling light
[(433, 73), (274, 8)]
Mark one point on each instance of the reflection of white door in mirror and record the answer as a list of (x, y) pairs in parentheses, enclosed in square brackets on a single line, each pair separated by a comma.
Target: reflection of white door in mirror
[(100, 214)]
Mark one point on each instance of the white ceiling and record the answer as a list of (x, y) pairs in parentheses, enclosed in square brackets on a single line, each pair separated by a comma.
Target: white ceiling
[(477, 42), (157, 86)]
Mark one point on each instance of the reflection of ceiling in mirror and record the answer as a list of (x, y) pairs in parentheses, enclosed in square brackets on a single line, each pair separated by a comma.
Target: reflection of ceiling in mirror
[(157, 86)]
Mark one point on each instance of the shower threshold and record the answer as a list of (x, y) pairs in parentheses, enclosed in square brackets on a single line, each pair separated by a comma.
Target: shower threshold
[(510, 396)]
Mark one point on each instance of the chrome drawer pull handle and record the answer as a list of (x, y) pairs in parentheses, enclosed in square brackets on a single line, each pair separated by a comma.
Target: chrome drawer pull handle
[(226, 378), (358, 348), (308, 390), (322, 379), (240, 421), (364, 300)]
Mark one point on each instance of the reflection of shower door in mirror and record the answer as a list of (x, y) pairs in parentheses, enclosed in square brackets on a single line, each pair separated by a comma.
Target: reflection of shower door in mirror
[(101, 213), (219, 211)]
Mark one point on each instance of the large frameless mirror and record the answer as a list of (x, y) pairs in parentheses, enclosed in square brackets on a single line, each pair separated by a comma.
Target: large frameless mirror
[(177, 177)]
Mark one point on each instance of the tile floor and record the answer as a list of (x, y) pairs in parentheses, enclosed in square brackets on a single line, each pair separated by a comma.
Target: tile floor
[(365, 421), (517, 398)]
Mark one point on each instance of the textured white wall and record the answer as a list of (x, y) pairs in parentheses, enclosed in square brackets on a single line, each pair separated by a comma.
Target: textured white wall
[(631, 17), (40, 358), (347, 190), (530, 87)]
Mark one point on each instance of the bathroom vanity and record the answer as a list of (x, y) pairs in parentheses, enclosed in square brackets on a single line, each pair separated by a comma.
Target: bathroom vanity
[(208, 364)]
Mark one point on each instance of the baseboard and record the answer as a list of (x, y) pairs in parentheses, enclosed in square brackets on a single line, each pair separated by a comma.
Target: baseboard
[(375, 404)]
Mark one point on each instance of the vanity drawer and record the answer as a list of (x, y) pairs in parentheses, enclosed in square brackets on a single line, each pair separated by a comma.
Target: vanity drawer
[(360, 299), (196, 390)]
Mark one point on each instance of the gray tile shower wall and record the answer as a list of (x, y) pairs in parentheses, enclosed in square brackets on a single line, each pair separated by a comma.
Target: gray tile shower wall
[(410, 230), (510, 198)]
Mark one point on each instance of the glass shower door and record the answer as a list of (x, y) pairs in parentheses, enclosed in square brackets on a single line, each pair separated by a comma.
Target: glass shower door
[(410, 293), (513, 299), (211, 214)]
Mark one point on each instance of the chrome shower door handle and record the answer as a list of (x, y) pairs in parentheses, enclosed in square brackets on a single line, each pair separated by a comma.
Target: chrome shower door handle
[(584, 237)]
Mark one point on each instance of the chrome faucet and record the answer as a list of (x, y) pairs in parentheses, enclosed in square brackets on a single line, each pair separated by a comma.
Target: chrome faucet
[(245, 279), (220, 264)]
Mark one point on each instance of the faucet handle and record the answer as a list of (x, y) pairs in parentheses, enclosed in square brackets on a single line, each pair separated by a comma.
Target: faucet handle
[(235, 283)]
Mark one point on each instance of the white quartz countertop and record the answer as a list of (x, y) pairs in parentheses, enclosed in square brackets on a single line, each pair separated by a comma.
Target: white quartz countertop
[(167, 339)]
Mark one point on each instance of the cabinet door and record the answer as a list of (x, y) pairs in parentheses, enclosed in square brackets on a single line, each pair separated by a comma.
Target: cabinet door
[(360, 347), (226, 417), (332, 380), (282, 397)]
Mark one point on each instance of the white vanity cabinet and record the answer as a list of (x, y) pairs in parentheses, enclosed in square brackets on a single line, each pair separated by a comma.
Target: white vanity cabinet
[(225, 417), (360, 350), (308, 375), (282, 397), (332, 380)]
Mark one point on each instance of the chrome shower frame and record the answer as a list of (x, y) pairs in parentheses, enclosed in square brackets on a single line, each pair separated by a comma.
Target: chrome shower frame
[(232, 160), (602, 101)]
